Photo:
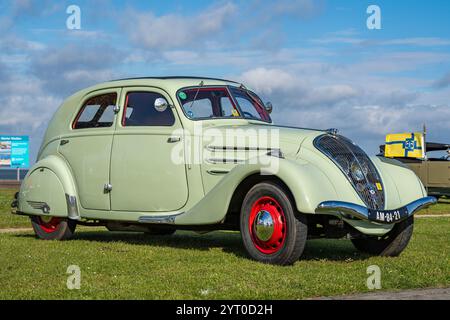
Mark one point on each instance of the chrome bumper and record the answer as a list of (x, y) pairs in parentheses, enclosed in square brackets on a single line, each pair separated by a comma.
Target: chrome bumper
[(347, 209)]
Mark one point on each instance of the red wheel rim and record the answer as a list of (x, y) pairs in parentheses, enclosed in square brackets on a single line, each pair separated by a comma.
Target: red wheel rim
[(267, 225), (48, 224)]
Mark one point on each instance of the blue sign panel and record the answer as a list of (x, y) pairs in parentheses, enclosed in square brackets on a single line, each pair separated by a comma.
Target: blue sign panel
[(14, 152)]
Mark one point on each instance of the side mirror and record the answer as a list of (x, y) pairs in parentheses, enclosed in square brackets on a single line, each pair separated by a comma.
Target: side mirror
[(268, 107), (161, 104)]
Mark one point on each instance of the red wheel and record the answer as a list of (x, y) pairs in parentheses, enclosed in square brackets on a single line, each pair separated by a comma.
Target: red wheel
[(272, 230), (53, 228), (48, 224), (267, 225)]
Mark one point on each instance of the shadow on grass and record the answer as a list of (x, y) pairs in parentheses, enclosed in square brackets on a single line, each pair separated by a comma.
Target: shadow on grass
[(229, 242)]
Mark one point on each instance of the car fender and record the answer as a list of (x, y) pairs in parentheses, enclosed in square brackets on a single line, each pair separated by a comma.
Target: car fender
[(49, 189), (307, 183), (402, 186)]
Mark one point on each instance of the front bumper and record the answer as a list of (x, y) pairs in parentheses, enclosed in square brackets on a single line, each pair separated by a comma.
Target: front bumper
[(347, 209)]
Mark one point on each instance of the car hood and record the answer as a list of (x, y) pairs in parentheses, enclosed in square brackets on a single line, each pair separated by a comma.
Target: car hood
[(287, 139)]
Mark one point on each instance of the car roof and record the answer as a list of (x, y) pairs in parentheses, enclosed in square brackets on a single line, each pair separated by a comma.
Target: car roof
[(167, 83), (177, 78)]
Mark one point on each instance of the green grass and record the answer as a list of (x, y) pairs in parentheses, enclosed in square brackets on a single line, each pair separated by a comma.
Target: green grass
[(442, 207), (8, 220), (213, 266)]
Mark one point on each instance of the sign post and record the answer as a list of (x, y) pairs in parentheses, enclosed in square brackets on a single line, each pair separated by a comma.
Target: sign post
[(14, 153)]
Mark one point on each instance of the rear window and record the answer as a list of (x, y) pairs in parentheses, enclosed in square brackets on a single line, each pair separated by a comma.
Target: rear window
[(96, 112)]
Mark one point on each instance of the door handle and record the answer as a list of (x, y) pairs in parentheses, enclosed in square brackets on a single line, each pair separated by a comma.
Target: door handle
[(173, 139), (63, 142)]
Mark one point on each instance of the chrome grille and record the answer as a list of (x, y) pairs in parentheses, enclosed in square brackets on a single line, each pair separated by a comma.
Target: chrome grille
[(347, 155)]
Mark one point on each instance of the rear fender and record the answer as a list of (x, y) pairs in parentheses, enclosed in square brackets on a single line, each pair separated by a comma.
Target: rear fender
[(49, 189)]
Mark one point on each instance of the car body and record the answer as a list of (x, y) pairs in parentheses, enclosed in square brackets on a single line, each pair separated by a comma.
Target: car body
[(120, 171), (434, 171)]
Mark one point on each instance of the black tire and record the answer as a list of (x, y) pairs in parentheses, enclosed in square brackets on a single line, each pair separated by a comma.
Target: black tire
[(54, 229), (390, 245), (283, 250)]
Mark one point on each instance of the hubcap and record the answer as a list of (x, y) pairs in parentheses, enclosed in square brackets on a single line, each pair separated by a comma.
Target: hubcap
[(267, 225), (263, 225)]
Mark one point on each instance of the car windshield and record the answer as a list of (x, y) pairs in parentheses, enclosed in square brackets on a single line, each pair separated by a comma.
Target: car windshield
[(221, 102)]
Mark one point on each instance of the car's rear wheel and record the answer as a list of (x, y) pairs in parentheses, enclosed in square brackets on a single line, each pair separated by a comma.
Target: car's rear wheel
[(270, 230), (53, 228), (391, 244)]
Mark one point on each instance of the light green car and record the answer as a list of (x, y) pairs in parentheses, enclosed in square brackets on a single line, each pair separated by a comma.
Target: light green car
[(159, 154)]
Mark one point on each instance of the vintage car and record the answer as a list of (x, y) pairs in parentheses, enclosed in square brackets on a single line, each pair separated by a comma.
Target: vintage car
[(434, 171), (125, 154)]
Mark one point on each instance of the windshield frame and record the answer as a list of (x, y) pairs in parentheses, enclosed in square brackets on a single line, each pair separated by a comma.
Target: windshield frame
[(241, 116)]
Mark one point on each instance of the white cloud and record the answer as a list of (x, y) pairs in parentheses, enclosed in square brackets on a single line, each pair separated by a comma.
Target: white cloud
[(176, 30), (352, 39), (69, 68), (363, 110)]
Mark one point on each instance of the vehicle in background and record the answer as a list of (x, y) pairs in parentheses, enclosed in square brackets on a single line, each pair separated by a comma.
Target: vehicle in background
[(434, 171)]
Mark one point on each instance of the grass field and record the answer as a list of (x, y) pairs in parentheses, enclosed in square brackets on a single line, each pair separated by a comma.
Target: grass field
[(211, 266), (8, 220)]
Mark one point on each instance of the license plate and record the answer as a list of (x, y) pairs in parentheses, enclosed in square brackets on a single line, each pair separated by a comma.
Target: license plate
[(388, 216)]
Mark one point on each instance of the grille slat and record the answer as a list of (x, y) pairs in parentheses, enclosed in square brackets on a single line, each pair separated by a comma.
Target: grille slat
[(345, 154)]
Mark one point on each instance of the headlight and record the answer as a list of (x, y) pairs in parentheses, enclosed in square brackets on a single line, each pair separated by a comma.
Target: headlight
[(356, 171)]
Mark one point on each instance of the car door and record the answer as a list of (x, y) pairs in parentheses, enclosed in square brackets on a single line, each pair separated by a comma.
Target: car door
[(87, 147), (144, 175)]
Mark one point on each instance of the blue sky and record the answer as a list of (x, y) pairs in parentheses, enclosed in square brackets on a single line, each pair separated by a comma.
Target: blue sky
[(315, 60)]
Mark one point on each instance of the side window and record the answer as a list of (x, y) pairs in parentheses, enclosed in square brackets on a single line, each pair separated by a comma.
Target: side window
[(140, 111), (97, 112)]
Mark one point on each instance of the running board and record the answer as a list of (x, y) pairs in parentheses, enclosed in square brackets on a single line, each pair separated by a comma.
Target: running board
[(159, 219)]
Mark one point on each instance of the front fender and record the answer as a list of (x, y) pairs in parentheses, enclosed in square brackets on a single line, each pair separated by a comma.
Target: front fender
[(402, 186), (49, 189), (307, 183)]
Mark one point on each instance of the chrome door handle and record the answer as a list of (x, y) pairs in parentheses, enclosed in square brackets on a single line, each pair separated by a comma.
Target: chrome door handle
[(173, 139), (63, 142)]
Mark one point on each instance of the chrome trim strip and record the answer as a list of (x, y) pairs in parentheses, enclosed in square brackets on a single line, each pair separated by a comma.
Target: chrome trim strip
[(361, 212), (72, 207), (38, 205), (216, 172), (232, 148), (159, 219), (224, 160)]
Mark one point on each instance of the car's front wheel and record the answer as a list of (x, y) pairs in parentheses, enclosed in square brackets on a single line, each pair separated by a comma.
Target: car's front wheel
[(391, 244), (271, 232), (53, 228)]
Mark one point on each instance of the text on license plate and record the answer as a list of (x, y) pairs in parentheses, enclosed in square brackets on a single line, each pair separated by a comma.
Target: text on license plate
[(388, 216)]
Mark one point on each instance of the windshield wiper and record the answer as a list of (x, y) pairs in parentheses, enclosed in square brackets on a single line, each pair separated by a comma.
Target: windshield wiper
[(196, 94)]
